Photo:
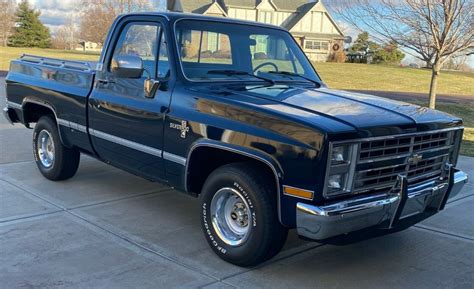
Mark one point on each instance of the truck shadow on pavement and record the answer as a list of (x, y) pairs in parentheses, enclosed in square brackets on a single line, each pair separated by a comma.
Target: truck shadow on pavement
[(155, 219)]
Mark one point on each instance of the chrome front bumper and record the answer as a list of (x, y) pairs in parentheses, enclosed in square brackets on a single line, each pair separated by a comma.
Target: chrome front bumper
[(384, 210), (6, 114)]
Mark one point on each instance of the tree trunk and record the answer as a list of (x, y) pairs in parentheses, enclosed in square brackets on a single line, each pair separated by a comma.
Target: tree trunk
[(434, 85)]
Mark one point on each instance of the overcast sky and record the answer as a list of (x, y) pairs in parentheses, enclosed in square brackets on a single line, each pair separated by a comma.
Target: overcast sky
[(57, 12)]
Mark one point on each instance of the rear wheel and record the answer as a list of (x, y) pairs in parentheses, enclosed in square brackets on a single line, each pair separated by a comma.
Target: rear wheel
[(54, 160), (240, 214)]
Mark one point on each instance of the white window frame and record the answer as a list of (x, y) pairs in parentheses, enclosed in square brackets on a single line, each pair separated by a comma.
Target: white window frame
[(316, 45)]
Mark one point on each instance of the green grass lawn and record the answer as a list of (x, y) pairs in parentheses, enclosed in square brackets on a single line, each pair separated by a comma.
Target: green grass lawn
[(9, 53), (341, 76), (392, 78), (336, 75), (466, 112)]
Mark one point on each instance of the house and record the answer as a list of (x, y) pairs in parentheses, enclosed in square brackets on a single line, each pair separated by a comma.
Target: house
[(308, 21), (89, 46)]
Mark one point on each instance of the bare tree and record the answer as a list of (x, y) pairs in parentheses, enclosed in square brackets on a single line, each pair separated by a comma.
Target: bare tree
[(66, 36), (433, 30), (98, 15), (7, 20)]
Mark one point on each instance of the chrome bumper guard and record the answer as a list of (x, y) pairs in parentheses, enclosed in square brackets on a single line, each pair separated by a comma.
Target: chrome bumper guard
[(6, 114), (383, 210)]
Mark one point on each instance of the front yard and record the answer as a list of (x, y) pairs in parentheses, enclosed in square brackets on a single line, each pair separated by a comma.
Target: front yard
[(337, 75), (343, 76), (466, 112)]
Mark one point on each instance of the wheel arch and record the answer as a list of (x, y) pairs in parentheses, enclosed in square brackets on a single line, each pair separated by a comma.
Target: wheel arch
[(33, 110), (222, 154)]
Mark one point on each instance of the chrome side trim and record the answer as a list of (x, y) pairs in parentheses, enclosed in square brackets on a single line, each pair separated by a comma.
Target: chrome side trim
[(78, 127), (121, 141), (125, 142), (63, 122), (14, 105), (175, 158), (258, 158), (72, 125)]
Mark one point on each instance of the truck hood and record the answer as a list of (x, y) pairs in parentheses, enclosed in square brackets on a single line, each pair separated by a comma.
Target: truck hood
[(370, 114)]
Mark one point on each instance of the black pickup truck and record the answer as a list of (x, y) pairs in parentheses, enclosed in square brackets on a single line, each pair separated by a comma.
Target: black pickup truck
[(234, 113)]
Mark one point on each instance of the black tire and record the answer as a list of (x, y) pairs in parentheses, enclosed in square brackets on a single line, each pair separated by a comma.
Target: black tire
[(66, 160), (266, 236)]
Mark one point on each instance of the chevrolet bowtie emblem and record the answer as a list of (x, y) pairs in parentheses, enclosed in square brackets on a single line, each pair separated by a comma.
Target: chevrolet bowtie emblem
[(415, 159), (183, 127)]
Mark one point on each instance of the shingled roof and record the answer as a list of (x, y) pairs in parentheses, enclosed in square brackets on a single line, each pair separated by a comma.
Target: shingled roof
[(292, 5), (302, 10), (197, 6)]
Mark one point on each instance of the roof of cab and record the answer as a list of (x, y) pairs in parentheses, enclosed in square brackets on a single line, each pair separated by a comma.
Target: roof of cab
[(175, 16)]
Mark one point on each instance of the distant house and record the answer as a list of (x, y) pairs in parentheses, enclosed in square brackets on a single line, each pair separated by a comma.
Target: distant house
[(89, 46), (309, 22)]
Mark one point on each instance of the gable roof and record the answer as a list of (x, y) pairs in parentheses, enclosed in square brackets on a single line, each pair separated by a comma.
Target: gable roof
[(292, 5), (195, 6), (204, 9), (301, 12), (241, 3)]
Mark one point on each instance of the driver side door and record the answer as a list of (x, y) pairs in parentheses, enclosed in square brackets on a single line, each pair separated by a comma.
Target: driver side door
[(126, 127)]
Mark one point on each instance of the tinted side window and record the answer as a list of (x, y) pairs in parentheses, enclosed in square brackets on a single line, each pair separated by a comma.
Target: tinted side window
[(140, 40)]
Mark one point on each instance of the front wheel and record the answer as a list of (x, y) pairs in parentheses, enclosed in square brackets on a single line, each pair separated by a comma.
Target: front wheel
[(54, 160), (240, 215)]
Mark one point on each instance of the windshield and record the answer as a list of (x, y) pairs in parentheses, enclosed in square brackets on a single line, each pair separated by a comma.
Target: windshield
[(224, 51)]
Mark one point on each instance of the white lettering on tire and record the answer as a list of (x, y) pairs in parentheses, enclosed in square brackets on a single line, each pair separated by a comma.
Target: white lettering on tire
[(249, 201), (209, 233)]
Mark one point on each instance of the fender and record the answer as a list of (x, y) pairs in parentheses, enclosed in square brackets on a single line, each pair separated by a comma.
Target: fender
[(262, 157), (45, 104)]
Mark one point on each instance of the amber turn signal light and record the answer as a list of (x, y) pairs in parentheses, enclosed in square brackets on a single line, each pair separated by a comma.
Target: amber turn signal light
[(300, 193)]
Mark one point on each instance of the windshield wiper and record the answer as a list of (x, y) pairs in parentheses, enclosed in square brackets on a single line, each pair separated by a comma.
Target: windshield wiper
[(240, 72), (288, 73)]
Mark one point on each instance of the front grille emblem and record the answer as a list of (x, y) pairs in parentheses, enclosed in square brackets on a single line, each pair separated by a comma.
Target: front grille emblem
[(415, 159)]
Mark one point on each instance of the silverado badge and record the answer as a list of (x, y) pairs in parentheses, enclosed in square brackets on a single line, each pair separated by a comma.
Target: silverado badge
[(183, 127)]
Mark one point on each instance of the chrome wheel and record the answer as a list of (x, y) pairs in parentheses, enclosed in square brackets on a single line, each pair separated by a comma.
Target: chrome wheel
[(45, 148), (231, 217)]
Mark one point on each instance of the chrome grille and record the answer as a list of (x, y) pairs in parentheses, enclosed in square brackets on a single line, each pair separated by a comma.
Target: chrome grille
[(419, 157)]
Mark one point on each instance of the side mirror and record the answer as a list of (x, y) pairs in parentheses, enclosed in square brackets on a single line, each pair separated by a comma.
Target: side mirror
[(127, 66)]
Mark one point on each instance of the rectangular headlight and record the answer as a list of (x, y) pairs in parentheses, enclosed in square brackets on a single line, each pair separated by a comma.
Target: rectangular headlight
[(340, 169), (340, 154)]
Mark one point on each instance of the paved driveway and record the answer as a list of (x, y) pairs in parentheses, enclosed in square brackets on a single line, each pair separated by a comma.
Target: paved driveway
[(109, 229)]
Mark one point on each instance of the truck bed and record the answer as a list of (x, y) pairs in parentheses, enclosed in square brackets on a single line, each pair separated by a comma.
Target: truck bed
[(63, 85)]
